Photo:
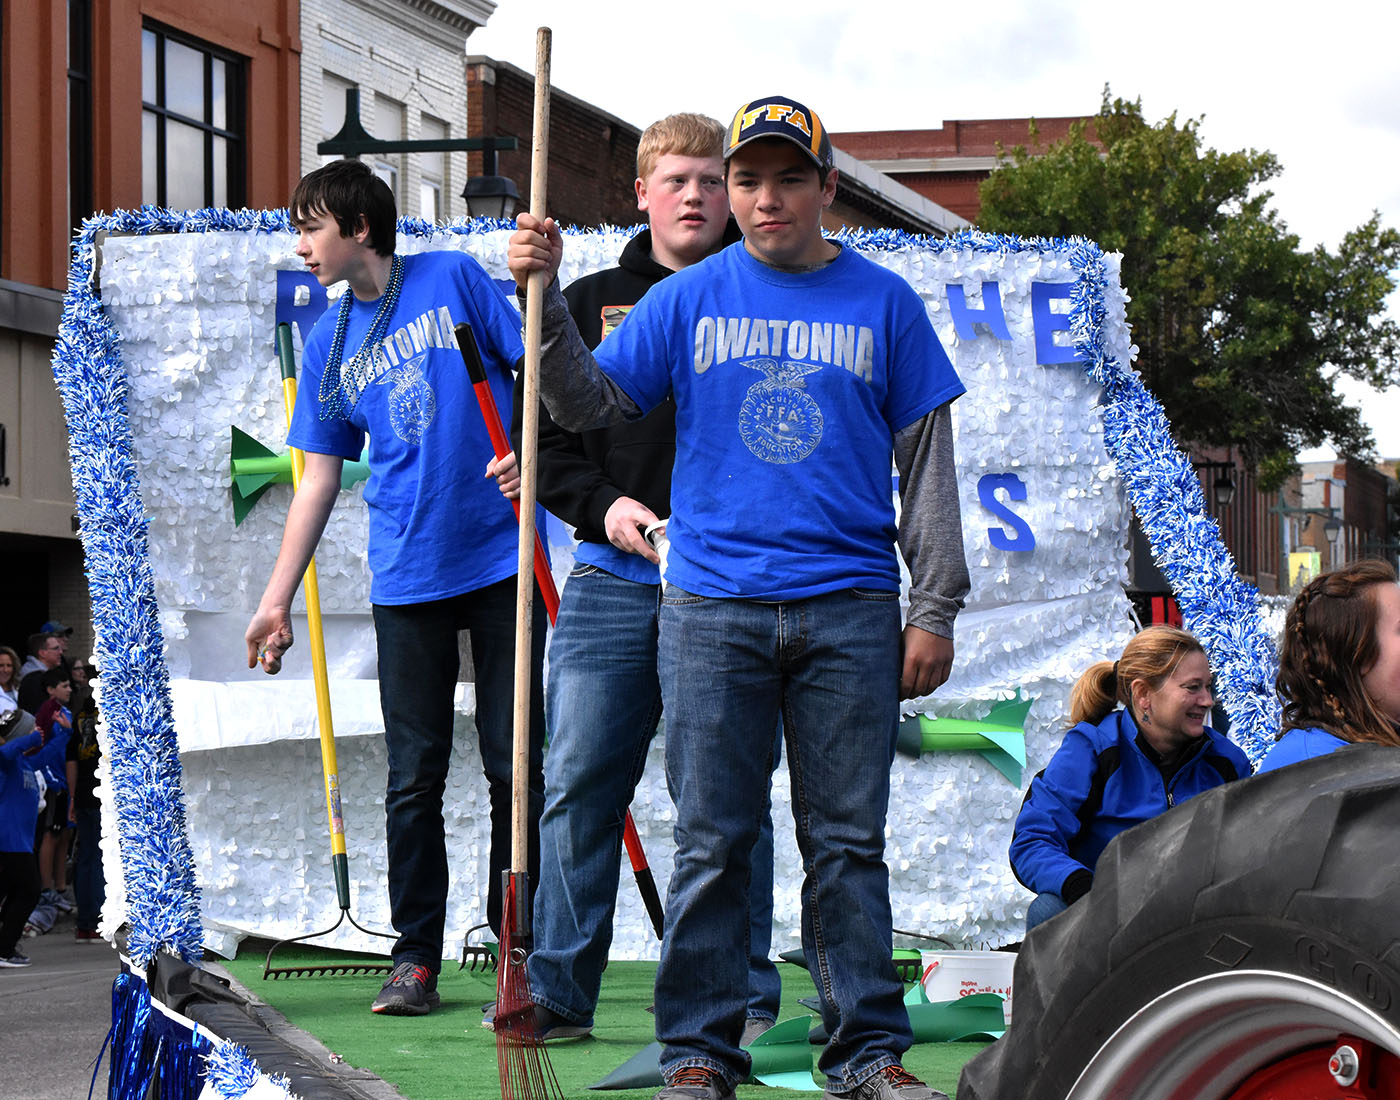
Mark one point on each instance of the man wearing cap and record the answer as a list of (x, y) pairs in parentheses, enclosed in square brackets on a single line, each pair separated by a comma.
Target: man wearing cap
[(798, 370)]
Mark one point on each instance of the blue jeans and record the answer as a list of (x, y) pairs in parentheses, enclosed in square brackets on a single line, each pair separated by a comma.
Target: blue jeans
[(829, 667), (89, 885), (602, 706), (1043, 908), (418, 666)]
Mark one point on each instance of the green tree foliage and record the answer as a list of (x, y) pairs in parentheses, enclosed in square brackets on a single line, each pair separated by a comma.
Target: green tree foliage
[(1241, 333)]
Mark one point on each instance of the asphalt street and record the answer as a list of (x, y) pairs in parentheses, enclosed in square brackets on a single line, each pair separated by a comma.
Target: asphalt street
[(54, 1016)]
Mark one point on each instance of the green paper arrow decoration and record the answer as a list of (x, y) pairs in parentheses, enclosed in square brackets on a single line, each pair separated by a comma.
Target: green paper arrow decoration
[(1000, 736), (782, 1058), (641, 1071), (252, 468), (978, 1016)]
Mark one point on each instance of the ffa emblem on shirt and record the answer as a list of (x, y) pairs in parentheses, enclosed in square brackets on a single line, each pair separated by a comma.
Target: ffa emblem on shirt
[(412, 404), (779, 421), (611, 316)]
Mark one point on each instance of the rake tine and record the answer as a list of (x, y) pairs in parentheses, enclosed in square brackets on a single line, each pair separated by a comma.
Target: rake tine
[(477, 957)]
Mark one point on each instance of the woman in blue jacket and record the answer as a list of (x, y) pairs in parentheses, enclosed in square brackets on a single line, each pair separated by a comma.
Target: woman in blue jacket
[(1139, 745), (1339, 664)]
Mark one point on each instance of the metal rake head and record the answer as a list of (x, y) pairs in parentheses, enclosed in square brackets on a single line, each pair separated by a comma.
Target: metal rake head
[(337, 968), (478, 957)]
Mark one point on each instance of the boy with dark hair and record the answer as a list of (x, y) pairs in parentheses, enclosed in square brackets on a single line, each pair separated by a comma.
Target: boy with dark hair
[(442, 542), (798, 369), (604, 698)]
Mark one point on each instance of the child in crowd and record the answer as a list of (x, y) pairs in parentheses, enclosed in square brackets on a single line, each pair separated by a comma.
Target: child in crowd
[(55, 721), (1339, 664)]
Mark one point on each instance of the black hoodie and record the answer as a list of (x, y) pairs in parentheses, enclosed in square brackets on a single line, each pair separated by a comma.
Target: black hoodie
[(579, 476)]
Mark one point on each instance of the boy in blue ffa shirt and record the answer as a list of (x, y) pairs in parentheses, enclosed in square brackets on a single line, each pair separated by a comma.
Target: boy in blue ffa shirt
[(384, 363), (798, 370)]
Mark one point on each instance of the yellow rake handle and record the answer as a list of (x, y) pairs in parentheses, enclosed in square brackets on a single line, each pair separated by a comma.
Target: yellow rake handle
[(317, 641)]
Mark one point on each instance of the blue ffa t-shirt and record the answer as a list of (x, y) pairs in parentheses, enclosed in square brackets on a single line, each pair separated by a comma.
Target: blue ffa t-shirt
[(437, 526), (789, 389)]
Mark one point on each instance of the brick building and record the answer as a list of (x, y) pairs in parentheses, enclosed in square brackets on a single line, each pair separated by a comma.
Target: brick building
[(1360, 498), (593, 155), (948, 165), (406, 59), (106, 105)]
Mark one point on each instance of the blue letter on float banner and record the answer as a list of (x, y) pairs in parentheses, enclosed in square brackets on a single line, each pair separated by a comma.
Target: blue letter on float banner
[(1047, 323), (991, 314), (304, 315), (1021, 537)]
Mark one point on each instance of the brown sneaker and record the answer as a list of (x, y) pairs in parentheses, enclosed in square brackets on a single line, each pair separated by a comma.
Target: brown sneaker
[(695, 1083), (891, 1083)]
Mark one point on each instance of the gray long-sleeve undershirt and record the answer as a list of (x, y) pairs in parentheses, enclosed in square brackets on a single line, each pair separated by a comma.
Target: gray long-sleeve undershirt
[(579, 396)]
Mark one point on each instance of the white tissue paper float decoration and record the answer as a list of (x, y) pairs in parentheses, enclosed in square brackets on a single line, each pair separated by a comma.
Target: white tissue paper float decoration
[(180, 347)]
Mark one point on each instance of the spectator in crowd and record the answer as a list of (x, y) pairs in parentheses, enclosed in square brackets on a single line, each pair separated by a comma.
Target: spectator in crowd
[(55, 721), (63, 633), (1339, 664), (9, 679), (19, 873), (45, 652), (1138, 746), (84, 807)]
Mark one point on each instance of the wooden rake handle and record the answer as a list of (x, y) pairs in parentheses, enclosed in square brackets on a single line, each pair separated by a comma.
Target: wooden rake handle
[(520, 791)]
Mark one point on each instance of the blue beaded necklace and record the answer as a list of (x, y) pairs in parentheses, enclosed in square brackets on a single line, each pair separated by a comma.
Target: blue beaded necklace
[(335, 396)]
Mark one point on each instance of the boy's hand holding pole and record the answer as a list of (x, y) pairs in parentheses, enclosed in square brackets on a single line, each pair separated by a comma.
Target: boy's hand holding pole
[(534, 246)]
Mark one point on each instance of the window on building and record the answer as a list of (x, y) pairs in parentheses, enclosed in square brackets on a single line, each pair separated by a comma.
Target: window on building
[(333, 89), (192, 147), (432, 174), (388, 126), (79, 111)]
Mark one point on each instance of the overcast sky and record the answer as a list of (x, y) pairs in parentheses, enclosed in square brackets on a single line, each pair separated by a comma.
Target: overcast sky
[(1319, 88)]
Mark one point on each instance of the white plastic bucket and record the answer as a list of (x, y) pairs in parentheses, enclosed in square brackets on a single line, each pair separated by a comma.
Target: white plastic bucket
[(948, 975)]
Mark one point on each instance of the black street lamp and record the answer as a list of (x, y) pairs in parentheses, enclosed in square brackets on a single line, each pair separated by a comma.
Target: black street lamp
[(1332, 527), (487, 195), (1224, 490), (491, 196)]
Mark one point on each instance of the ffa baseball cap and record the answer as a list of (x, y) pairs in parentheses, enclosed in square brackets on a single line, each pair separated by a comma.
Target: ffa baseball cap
[(53, 626), (781, 117)]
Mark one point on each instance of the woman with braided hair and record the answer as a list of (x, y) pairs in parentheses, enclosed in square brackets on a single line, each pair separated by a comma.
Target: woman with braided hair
[(1339, 664), (1138, 745)]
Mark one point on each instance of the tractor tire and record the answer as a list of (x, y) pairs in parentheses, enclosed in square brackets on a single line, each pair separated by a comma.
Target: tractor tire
[(1254, 921)]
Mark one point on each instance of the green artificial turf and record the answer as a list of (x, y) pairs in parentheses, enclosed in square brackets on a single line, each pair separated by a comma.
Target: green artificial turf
[(448, 1055)]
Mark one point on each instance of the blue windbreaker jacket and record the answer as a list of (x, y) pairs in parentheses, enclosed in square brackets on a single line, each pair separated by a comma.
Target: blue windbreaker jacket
[(1100, 782)]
